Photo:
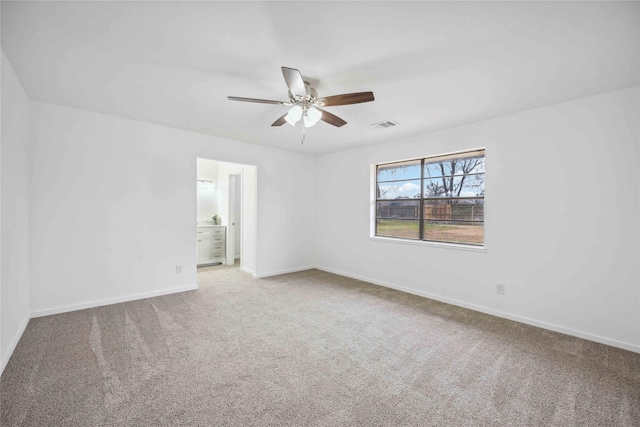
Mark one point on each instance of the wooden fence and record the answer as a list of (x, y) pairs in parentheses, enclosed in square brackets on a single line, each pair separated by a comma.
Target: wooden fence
[(442, 212)]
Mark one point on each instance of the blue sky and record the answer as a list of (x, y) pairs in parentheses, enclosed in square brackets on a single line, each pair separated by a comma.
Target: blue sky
[(406, 179)]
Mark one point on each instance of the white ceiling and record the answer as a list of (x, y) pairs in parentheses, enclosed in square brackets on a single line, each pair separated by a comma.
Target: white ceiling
[(431, 65)]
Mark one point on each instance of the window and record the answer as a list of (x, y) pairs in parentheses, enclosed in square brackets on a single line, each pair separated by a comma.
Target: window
[(436, 199)]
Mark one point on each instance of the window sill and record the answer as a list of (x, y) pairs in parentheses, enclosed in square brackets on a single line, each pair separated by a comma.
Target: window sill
[(459, 247)]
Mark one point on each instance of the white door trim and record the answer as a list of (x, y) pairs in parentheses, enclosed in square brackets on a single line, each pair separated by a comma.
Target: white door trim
[(231, 240)]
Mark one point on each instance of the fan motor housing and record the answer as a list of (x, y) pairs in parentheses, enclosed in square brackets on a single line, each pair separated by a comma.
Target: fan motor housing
[(311, 94)]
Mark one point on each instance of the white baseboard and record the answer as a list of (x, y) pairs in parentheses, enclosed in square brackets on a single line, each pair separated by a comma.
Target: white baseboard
[(248, 271), (533, 322), (13, 343), (277, 273), (109, 301), (572, 332)]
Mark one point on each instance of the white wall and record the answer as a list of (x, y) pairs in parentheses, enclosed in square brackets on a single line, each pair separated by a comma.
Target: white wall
[(96, 178), (14, 216), (207, 195), (224, 170), (207, 202), (208, 170), (562, 223)]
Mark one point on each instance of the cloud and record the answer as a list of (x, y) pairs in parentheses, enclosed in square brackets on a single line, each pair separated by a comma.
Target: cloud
[(408, 189)]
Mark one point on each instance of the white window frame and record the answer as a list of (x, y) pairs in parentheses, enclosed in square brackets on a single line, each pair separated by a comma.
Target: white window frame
[(424, 243)]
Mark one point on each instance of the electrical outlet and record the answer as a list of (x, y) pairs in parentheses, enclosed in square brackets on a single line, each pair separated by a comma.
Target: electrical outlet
[(178, 269), (500, 288)]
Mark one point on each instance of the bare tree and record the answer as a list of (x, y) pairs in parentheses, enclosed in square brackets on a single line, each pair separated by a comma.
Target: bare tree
[(453, 176)]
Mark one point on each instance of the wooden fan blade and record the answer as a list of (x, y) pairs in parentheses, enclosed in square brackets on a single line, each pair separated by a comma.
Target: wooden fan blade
[(346, 99), (281, 120), (261, 101), (294, 81), (332, 119)]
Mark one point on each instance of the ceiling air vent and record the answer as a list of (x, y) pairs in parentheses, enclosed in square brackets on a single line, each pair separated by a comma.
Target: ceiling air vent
[(385, 124)]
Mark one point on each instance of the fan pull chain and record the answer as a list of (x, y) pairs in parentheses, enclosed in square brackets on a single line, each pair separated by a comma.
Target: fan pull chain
[(303, 132)]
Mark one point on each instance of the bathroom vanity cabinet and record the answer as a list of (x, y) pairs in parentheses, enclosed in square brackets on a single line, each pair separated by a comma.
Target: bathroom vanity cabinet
[(212, 244)]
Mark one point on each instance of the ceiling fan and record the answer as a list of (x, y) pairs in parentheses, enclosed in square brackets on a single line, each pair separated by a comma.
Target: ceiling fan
[(305, 103)]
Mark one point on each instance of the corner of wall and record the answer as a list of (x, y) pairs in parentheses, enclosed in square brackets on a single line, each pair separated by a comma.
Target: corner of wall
[(6, 353), (15, 149)]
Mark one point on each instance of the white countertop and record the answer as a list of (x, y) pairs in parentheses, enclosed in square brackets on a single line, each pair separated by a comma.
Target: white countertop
[(207, 224)]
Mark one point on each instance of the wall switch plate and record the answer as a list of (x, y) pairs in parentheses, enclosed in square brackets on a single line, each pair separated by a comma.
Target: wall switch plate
[(178, 269), (500, 288)]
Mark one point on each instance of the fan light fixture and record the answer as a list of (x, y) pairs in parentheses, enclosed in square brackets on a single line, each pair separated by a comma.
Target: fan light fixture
[(310, 116), (303, 100), (294, 115)]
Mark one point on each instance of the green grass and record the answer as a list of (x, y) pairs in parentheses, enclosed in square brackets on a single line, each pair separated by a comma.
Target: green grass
[(396, 228), (409, 229)]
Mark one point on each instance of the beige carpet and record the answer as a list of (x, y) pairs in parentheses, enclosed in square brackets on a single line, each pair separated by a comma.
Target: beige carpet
[(308, 349)]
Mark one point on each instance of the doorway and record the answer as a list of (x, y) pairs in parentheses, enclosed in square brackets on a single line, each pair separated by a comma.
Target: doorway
[(232, 200)]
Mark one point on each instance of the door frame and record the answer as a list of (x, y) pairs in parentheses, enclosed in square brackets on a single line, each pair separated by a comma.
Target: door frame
[(249, 209), (235, 179)]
